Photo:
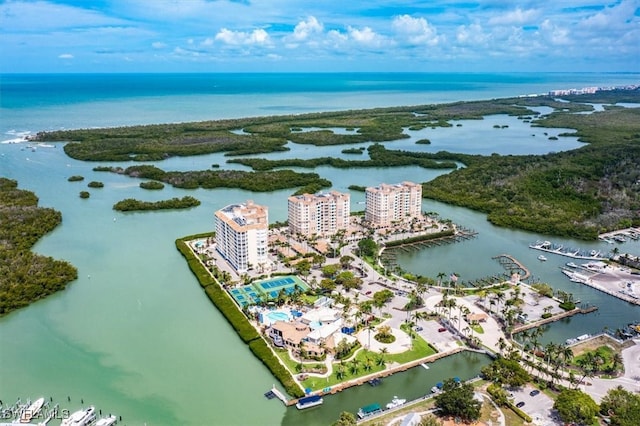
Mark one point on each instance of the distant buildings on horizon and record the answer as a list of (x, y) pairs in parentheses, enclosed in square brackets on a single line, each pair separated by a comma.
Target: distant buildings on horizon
[(583, 91)]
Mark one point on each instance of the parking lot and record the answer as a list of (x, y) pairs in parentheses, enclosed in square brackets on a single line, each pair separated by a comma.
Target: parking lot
[(539, 407)]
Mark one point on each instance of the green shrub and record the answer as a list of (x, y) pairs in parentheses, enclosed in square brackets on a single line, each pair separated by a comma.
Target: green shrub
[(262, 351), (152, 185)]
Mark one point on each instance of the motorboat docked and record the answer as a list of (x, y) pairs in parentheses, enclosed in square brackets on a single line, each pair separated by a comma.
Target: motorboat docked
[(32, 411), (107, 421), (369, 410), (571, 265), (309, 401), (396, 402), (80, 417), (542, 258)]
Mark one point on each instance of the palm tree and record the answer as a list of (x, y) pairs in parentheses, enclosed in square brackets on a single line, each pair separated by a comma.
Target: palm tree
[(370, 329), (464, 311), (381, 359), (440, 276)]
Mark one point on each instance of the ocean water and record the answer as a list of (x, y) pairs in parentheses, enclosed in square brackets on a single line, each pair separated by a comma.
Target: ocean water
[(135, 335)]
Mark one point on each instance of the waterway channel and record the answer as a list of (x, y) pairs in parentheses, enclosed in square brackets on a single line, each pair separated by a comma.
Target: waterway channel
[(135, 334)]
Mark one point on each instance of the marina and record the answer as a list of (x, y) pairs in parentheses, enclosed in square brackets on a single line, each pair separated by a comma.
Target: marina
[(615, 281), (559, 249), (42, 411)]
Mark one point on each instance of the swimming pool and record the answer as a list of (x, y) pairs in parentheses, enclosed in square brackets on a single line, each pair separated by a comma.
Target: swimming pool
[(270, 317)]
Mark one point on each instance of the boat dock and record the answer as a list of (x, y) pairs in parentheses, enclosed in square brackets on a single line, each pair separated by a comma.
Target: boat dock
[(275, 393), (620, 236), (609, 285), (555, 318), (512, 264), (558, 249)]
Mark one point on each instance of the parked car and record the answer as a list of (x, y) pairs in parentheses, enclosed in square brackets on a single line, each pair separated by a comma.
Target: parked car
[(441, 329), (534, 392), (520, 404), (368, 293), (418, 328)]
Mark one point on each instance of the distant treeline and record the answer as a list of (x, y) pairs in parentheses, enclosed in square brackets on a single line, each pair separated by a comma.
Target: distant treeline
[(25, 276), (271, 134), (250, 181)]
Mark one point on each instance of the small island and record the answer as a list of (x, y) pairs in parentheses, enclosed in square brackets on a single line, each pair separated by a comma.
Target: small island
[(131, 204), (75, 178), (24, 275)]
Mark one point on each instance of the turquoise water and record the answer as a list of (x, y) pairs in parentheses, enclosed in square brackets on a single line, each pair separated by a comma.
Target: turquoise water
[(274, 316), (135, 334)]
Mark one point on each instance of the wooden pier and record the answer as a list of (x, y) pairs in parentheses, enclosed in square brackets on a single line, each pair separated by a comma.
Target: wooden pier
[(510, 263), (554, 318)]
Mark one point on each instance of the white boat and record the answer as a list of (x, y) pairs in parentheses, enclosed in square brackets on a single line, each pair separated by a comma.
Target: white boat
[(80, 417), (107, 421), (572, 265), (32, 411), (309, 401), (396, 402), (542, 258)]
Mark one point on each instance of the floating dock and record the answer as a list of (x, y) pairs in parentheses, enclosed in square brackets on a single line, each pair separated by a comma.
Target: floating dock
[(558, 249)]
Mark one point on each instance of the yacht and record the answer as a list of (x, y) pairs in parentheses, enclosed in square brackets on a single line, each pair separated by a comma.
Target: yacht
[(80, 417), (32, 411), (572, 265), (396, 402), (107, 421), (542, 258)]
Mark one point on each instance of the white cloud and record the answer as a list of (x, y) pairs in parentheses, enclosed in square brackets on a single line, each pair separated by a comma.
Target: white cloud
[(65, 56), (471, 34), (306, 29), (256, 37), (158, 45), (366, 37), (415, 30), (515, 17), (554, 34)]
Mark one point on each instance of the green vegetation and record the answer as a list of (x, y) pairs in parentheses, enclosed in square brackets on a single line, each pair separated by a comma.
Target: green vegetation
[(358, 188), (353, 150), (456, 399), (575, 406), (346, 419), (75, 178), (151, 185), (423, 142), (621, 406), (25, 276), (379, 156), (506, 371), (236, 318), (270, 134), (574, 194), (84, 194), (95, 184), (131, 204), (209, 179)]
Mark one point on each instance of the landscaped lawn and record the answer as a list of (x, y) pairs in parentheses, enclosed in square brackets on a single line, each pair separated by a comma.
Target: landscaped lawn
[(605, 352), (420, 349)]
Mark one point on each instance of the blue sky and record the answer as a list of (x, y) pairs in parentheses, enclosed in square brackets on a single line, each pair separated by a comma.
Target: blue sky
[(318, 35)]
